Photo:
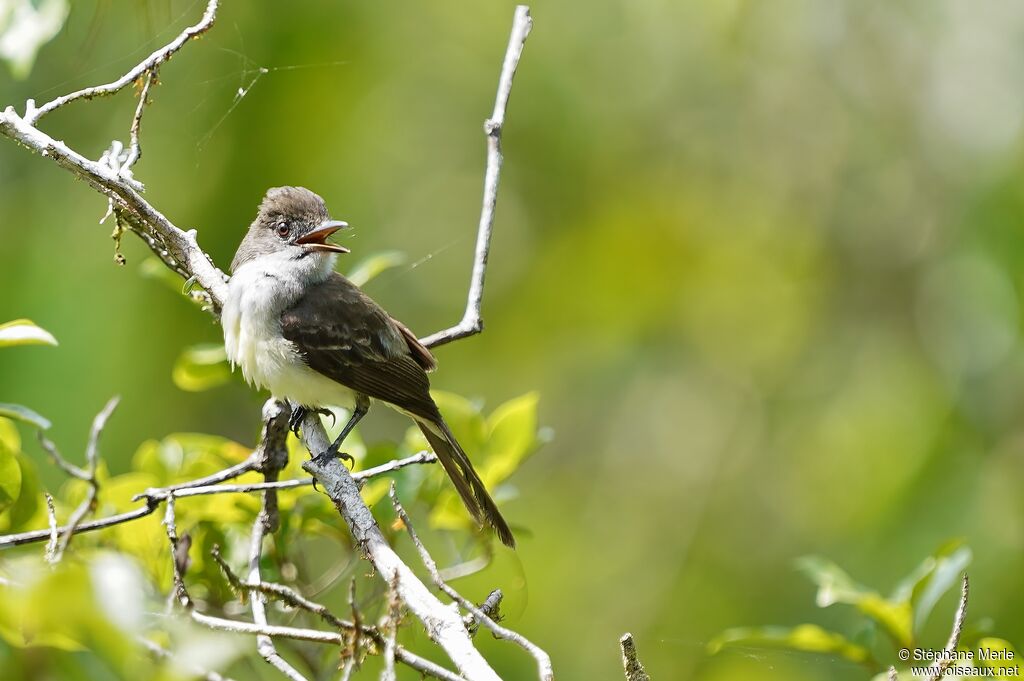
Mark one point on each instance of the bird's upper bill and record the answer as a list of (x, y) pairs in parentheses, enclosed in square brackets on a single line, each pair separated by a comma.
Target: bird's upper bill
[(316, 238)]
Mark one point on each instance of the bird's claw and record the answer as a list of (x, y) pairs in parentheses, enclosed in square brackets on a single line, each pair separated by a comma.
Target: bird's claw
[(332, 453), (295, 420), (299, 413)]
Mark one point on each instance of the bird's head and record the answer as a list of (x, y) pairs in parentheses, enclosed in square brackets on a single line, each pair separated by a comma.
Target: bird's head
[(292, 224)]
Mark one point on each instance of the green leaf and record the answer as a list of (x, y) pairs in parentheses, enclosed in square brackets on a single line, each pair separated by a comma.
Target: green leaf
[(374, 265), (9, 434), (201, 367), (945, 573), (835, 586), (808, 638), (153, 268), (512, 437), (465, 420), (24, 332), (10, 477), (998, 655), (25, 26), (25, 415)]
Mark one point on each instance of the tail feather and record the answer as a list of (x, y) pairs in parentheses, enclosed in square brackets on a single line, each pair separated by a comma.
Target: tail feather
[(467, 483)]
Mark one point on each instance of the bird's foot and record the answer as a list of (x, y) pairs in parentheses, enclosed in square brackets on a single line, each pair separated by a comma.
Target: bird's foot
[(333, 453), (299, 413), (295, 420)]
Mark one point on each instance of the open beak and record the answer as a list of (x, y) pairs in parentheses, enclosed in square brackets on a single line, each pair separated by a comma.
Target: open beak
[(317, 238)]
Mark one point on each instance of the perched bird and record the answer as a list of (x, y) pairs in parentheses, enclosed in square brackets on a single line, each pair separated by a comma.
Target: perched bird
[(312, 337)]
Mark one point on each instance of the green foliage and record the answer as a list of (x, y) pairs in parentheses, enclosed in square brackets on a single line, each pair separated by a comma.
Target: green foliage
[(201, 367), (900, 616), (809, 638), (25, 26), (835, 586), (24, 332), (376, 264), (498, 445), (10, 476), (22, 508)]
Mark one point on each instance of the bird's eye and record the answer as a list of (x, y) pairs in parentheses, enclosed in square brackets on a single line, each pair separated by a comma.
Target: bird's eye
[(283, 230)]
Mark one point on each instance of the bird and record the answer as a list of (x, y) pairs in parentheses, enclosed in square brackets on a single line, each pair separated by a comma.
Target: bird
[(298, 328)]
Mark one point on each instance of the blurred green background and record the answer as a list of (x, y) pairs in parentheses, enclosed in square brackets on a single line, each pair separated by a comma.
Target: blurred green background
[(762, 261)]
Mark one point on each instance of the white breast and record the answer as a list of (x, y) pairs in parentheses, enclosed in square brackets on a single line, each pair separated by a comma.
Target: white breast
[(258, 293)]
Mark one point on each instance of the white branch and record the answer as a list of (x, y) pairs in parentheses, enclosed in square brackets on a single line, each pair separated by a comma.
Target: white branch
[(149, 64), (361, 476), (544, 670), (954, 636), (630, 663), (442, 623), (472, 321), (274, 456)]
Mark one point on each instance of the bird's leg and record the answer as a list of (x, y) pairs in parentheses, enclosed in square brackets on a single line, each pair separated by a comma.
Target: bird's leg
[(299, 413), (362, 406)]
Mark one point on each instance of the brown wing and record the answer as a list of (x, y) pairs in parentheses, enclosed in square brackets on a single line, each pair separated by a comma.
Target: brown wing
[(344, 335)]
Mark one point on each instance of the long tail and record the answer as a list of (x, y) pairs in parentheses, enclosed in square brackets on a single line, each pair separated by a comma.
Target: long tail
[(468, 484)]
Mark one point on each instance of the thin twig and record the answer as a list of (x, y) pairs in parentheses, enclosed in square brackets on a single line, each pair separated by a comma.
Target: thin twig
[(92, 454), (271, 630), (544, 670), (442, 625), (134, 144), (241, 468), (69, 468), (51, 544), (391, 623), (153, 61), (490, 607), (271, 462), (630, 663), (954, 636), (189, 490), (32, 536), (177, 562), (472, 321)]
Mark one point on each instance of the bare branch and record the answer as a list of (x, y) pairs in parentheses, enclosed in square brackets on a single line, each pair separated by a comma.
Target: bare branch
[(177, 248), (187, 490), (634, 670), (390, 624), (69, 468), (55, 549), (271, 630), (472, 322), (92, 450), (490, 607), (544, 670), (149, 64), (42, 535), (296, 600), (178, 562), (442, 625), (274, 457), (394, 465), (51, 544), (954, 636), (134, 144)]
